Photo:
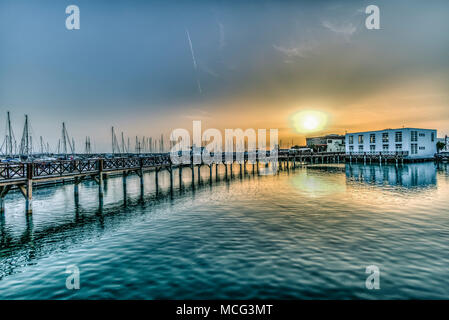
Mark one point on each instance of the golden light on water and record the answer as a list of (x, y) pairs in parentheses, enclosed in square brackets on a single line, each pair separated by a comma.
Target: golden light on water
[(309, 121)]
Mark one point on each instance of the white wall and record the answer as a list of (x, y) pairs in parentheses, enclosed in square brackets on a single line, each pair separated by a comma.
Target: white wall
[(426, 148)]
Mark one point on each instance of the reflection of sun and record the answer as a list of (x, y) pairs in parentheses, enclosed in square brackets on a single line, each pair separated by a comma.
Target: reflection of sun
[(309, 121)]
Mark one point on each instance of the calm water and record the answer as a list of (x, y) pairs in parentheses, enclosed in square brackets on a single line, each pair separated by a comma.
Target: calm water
[(308, 233)]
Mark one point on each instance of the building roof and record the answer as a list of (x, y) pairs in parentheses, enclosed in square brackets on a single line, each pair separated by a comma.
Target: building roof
[(390, 129), (329, 136)]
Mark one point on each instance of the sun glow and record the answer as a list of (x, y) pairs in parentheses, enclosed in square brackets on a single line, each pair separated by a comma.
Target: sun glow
[(309, 121)]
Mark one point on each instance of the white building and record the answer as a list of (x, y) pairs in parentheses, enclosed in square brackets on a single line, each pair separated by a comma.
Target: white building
[(412, 143)]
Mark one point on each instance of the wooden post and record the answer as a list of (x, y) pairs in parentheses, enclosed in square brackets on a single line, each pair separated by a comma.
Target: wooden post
[(76, 190), (3, 191), (199, 174), (29, 189), (124, 174), (226, 170), (180, 175), (171, 177), (141, 177), (156, 173), (29, 196), (100, 179)]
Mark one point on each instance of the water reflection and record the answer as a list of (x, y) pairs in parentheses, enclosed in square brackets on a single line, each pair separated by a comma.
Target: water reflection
[(407, 175), (90, 221), (304, 234)]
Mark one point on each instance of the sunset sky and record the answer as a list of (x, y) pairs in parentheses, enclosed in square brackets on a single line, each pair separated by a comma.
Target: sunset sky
[(255, 64)]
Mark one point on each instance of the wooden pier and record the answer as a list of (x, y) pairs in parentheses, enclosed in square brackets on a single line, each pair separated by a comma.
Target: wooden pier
[(23, 176)]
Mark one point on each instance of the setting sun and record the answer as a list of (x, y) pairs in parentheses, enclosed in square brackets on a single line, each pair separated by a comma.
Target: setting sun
[(309, 121)]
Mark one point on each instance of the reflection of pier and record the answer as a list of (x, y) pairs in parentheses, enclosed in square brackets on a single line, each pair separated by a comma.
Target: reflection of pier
[(32, 243), (408, 175)]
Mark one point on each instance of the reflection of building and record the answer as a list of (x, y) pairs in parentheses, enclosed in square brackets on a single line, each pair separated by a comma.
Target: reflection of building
[(413, 143), (409, 175), (328, 143)]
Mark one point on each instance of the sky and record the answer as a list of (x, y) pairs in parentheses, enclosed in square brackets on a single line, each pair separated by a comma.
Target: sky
[(148, 67)]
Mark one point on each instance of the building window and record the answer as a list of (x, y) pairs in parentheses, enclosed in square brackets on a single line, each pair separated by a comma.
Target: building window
[(414, 136), (422, 134), (372, 138), (422, 148), (433, 136), (385, 147), (414, 148), (372, 148), (385, 137), (360, 138), (351, 148), (399, 147), (398, 136), (360, 148), (351, 139)]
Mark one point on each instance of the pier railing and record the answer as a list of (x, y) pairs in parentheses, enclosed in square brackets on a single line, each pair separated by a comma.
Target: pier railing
[(380, 153), (40, 170)]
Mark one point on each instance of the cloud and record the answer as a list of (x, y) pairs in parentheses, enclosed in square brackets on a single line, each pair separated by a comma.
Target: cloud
[(346, 29), (222, 41), (301, 51), (205, 68)]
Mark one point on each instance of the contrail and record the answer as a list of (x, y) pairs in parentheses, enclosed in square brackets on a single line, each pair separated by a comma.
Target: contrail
[(194, 61)]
